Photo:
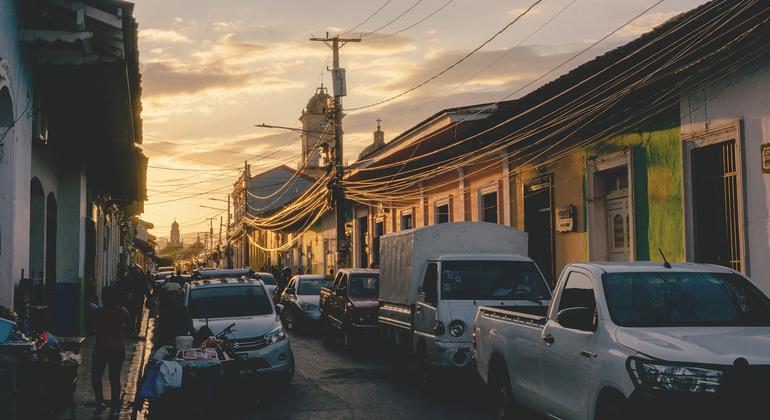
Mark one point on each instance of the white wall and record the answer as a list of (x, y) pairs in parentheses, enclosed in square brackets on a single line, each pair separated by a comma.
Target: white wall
[(743, 96), (15, 165)]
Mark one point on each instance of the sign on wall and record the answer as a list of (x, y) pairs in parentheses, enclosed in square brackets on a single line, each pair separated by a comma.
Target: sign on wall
[(764, 152), (565, 219)]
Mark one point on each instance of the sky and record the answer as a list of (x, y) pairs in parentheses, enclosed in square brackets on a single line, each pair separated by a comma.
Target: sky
[(212, 70)]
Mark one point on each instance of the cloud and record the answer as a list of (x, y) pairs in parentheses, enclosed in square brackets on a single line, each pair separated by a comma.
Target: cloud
[(163, 78), (519, 10), (646, 23), (162, 36)]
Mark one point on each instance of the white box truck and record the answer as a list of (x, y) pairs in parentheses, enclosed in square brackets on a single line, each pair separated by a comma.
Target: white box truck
[(433, 279)]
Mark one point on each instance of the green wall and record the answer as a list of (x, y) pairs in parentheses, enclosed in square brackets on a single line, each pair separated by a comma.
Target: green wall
[(657, 189)]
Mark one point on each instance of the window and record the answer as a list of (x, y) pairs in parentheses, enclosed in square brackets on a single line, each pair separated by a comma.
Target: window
[(679, 299), (342, 283), (311, 285), (492, 280), (615, 179), (489, 207), (429, 286), (578, 292), (442, 213), (407, 221), (364, 285), (228, 302)]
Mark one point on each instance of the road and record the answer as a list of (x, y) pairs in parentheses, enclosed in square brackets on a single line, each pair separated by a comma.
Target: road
[(332, 383)]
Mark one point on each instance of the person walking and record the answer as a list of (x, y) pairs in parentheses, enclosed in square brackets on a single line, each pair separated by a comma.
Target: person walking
[(138, 288), (112, 322)]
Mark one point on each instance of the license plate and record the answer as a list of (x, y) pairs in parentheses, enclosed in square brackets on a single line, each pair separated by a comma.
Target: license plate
[(242, 356)]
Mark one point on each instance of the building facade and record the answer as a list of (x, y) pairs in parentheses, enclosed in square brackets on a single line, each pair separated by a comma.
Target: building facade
[(71, 171)]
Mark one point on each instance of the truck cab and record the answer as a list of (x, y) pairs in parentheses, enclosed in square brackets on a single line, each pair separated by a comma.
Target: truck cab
[(349, 306), (452, 289)]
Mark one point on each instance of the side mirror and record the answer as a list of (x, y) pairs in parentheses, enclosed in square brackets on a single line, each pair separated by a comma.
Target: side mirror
[(278, 309), (289, 290), (579, 318)]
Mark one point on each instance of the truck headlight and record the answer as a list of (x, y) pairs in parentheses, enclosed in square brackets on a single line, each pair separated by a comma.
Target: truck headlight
[(655, 376), (456, 328), (276, 335)]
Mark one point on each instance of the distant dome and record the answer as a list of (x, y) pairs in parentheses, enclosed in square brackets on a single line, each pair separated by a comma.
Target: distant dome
[(319, 102)]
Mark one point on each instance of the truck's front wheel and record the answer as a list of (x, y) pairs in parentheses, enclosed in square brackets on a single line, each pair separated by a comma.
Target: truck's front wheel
[(501, 386)]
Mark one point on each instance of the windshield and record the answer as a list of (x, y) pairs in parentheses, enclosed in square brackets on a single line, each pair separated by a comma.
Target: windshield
[(230, 301), (492, 280), (673, 299), (313, 285), (267, 279), (364, 285)]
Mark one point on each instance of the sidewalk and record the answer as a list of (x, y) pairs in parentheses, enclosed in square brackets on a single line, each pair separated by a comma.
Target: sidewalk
[(132, 369)]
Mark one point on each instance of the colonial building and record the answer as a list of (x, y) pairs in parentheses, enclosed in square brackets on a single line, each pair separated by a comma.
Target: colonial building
[(71, 171), (175, 236)]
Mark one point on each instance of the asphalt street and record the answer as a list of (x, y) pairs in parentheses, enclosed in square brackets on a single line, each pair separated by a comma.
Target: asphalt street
[(361, 384)]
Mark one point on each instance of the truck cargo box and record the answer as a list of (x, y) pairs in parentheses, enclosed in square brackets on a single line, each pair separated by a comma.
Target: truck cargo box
[(403, 254)]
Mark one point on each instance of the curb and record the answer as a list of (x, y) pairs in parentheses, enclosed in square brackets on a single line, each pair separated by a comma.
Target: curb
[(148, 324)]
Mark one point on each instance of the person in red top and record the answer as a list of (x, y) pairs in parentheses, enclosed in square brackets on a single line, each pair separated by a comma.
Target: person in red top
[(112, 322)]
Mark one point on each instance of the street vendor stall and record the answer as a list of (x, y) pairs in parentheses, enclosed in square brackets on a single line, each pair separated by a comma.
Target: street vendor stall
[(189, 377), (38, 373)]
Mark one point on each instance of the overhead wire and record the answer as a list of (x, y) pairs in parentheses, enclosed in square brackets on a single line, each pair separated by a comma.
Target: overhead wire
[(453, 65), (368, 18), (430, 15), (394, 20), (422, 174)]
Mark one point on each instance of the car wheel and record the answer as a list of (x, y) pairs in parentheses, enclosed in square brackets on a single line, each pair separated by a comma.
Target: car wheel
[(348, 339), (327, 331), (503, 394), (422, 368), (290, 319), (285, 377), (611, 407)]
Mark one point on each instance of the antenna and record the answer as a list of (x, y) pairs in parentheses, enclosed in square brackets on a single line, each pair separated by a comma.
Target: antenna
[(666, 264)]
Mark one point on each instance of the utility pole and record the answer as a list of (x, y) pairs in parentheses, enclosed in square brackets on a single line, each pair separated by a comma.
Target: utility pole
[(227, 234), (339, 88)]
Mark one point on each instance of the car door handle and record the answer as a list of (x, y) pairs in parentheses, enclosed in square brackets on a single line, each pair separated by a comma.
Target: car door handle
[(547, 339), (587, 354)]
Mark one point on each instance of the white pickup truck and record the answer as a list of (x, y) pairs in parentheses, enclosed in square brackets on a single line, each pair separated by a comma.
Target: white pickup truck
[(633, 340)]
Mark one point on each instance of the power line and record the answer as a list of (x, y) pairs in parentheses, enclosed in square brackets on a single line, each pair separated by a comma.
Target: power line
[(367, 19), (394, 19), (414, 24), (455, 64)]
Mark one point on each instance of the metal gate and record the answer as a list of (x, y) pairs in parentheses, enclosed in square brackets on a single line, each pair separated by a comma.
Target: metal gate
[(715, 205)]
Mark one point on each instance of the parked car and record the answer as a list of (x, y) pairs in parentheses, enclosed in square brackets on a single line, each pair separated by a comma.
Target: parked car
[(270, 284), (301, 300), (161, 276), (258, 337), (633, 340), (434, 278), (231, 273), (349, 306)]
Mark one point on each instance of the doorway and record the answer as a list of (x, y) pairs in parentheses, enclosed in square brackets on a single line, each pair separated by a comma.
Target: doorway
[(617, 215), (610, 212), (538, 223), (379, 230), (715, 211), (50, 252), (363, 241)]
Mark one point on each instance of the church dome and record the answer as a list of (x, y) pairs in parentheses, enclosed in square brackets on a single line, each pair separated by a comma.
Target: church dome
[(319, 102)]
